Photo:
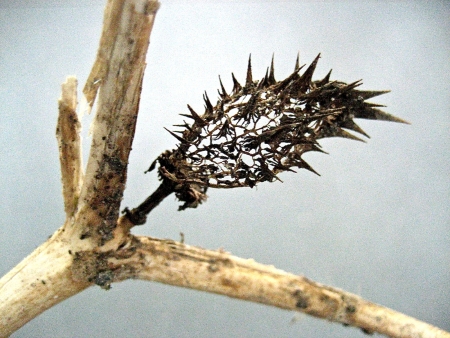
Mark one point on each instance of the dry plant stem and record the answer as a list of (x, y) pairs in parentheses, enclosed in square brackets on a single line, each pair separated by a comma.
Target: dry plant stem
[(219, 272), (46, 276), (115, 120)]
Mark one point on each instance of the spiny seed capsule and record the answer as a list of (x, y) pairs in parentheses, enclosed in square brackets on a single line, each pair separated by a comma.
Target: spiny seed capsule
[(261, 129)]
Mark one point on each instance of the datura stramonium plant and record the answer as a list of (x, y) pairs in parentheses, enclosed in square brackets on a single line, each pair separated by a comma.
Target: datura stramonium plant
[(257, 131)]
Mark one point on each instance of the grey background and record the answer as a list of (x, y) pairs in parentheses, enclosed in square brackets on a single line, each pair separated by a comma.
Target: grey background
[(375, 223)]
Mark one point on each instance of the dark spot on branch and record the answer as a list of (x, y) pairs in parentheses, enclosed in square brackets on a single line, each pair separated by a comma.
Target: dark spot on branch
[(302, 301), (85, 235), (350, 309), (104, 279), (367, 331)]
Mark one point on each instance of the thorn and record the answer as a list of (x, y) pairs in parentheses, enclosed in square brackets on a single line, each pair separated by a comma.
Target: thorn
[(224, 92), (368, 94), (272, 73), (249, 80), (188, 127), (265, 80), (306, 77), (297, 62), (378, 114), (370, 104), (325, 80), (350, 124), (312, 147), (208, 105), (182, 140), (195, 116), (279, 179), (184, 125), (236, 85), (297, 160), (188, 116), (350, 86), (306, 166), (339, 132), (287, 81)]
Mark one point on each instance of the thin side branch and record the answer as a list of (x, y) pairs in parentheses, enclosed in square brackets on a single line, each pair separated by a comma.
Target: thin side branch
[(68, 136)]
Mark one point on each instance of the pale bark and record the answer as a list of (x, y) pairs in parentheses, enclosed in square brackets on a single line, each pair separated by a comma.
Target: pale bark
[(95, 246), (41, 280)]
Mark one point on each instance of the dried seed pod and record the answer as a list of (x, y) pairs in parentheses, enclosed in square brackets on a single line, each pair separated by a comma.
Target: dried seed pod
[(262, 129)]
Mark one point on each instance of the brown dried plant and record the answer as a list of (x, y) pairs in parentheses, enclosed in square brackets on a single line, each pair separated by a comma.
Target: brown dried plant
[(257, 131)]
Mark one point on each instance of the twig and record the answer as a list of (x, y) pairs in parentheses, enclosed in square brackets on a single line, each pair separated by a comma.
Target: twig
[(174, 263), (120, 69), (68, 136)]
